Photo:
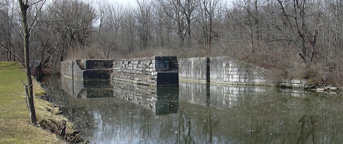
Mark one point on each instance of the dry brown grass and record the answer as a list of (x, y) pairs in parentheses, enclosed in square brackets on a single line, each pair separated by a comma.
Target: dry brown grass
[(86, 52), (14, 116)]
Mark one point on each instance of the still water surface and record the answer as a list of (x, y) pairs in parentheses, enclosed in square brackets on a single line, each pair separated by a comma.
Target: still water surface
[(114, 112)]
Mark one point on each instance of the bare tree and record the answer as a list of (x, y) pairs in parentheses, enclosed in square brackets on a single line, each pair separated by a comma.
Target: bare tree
[(206, 19), (27, 29), (129, 30), (188, 9), (297, 22), (8, 31), (72, 20), (273, 34), (173, 9), (252, 12), (110, 28), (144, 23)]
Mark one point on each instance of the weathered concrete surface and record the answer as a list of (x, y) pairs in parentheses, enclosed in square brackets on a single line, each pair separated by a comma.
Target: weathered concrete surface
[(87, 69), (192, 68), (66, 68), (152, 71), (78, 75), (222, 70)]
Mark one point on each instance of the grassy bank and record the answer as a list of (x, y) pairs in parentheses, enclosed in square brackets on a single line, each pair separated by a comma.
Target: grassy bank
[(14, 116)]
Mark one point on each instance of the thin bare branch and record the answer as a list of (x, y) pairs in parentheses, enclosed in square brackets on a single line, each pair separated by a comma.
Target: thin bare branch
[(34, 22), (7, 49)]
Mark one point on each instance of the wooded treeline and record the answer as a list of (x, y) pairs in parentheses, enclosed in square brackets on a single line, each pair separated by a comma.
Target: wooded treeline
[(293, 38)]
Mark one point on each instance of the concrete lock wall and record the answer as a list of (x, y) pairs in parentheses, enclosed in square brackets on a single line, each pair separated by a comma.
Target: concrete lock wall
[(166, 71), (86, 69), (153, 71), (192, 68), (222, 70)]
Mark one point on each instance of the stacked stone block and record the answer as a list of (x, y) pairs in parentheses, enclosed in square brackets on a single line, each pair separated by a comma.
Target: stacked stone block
[(147, 71)]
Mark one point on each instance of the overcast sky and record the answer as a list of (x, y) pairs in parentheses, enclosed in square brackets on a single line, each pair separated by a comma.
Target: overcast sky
[(124, 2), (133, 2)]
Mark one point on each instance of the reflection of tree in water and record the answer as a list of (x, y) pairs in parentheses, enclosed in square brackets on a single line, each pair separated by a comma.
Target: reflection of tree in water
[(74, 109), (272, 118), (184, 130), (307, 129), (295, 120), (275, 121)]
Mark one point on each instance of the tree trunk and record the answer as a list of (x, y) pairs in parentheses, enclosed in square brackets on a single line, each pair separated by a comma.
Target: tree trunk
[(23, 10), (7, 55), (14, 55)]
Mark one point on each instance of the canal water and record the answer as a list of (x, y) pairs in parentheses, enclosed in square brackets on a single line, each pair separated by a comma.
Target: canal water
[(115, 112)]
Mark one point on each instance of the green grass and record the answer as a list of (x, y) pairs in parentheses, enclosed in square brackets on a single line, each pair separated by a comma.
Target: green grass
[(14, 116)]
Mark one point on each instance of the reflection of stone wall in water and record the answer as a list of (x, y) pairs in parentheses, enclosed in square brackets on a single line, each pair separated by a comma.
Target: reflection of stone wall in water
[(199, 124), (270, 118), (71, 86), (161, 100), (223, 70), (87, 89), (219, 96)]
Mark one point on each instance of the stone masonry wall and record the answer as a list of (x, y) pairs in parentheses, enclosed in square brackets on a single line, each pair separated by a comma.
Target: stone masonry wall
[(147, 71), (223, 70)]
